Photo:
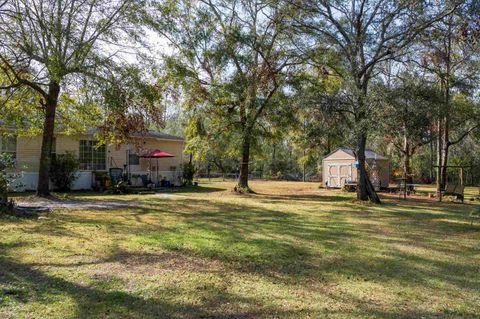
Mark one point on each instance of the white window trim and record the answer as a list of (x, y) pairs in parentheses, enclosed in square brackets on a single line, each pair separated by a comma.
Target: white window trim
[(92, 170)]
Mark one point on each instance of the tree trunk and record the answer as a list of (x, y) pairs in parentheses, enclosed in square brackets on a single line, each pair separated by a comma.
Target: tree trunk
[(43, 186), (439, 161), (362, 172), (304, 177), (329, 145), (406, 156), (431, 157), (220, 166), (3, 191), (273, 164), (365, 190), (406, 165), (445, 150), (242, 185), (444, 166), (443, 134)]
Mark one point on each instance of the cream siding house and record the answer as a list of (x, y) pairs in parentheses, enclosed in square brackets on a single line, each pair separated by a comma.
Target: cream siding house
[(98, 158), (339, 167)]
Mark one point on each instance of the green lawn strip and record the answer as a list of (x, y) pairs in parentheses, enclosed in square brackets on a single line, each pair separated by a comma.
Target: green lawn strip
[(277, 254)]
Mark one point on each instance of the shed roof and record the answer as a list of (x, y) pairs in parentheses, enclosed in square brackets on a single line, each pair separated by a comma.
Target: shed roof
[(369, 153)]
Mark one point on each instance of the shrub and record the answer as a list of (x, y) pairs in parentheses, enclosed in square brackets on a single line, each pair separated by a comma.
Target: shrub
[(120, 188), (102, 181), (63, 171), (188, 173), (6, 180)]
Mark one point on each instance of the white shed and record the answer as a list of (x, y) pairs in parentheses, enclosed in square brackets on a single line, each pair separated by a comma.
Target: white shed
[(339, 167)]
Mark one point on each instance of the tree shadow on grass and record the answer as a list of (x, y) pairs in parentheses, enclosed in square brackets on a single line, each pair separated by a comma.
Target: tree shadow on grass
[(278, 244), (246, 238), (167, 190), (309, 195), (282, 246), (401, 309), (202, 189), (446, 219), (25, 283)]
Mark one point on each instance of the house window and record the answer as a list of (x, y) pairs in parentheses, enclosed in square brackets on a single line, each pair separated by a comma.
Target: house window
[(92, 157), (8, 145), (133, 159)]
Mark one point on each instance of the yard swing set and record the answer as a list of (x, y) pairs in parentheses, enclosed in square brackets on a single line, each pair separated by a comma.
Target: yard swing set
[(454, 186)]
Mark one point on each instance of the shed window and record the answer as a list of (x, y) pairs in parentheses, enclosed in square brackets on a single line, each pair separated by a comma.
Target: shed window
[(8, 145), (92, 157)]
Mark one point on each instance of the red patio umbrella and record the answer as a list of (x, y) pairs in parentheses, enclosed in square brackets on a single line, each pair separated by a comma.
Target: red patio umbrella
[(156, 154)]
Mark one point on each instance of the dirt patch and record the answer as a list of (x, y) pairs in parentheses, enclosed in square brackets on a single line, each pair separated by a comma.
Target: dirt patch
[(78, 204), (150, 264)]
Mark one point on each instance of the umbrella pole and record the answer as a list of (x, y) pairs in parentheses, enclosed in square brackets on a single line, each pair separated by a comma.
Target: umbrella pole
[(157, 171)]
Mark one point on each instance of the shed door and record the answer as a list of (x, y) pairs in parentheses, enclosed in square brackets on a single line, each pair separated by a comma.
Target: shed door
[(339, 174), (333, 175), (345, 173)]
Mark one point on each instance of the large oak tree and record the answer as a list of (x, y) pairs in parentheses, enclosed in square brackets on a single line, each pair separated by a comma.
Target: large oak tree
[(231, 59), (363, 34), (55, 46)]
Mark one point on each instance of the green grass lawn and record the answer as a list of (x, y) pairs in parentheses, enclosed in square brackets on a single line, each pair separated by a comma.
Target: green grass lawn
[(289, 251)]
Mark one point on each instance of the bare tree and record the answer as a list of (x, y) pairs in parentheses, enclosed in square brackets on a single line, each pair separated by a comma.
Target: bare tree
[(363, 35)]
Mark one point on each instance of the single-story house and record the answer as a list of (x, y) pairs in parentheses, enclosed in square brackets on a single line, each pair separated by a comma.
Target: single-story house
[(339, 167), (94, 158)]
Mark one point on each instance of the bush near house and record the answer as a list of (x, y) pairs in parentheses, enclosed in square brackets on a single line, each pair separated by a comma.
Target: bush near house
[(6, 161), (63, 171), (189, 171)]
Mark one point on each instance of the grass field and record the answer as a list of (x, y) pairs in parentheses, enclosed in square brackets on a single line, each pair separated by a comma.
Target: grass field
[(289, 251)]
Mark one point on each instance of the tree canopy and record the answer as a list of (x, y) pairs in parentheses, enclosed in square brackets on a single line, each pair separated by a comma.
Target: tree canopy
[(256, 86), (71, 53), (232, 59)]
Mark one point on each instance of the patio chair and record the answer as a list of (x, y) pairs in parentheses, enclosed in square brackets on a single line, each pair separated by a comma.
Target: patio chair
[(116, 175)]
